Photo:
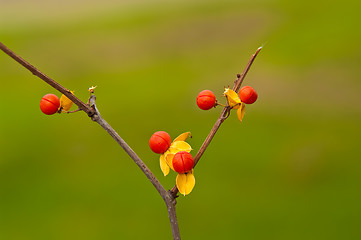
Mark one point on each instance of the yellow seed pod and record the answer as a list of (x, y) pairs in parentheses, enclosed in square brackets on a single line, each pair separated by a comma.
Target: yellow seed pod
[(163, 165), (232, 98), (169, 159), (185, 182), (240, 111), (65, 103), (183, 137), (179, 146)]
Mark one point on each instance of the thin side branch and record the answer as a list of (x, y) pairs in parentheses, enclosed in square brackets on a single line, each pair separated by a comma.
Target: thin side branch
[(240, 78), (167, 196), (222, 117), (237, 84), (82, 106), (98, 118), (93, 112)]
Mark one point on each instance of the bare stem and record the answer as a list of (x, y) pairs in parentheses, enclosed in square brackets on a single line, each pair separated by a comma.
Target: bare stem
[(93, 112), (98, 118), (82, 106), (223, 116), (240, 78), (168, 198), (171, 203)]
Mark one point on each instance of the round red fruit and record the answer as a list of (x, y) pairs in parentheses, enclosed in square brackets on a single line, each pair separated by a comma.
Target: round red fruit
[(159, 142), (248, 95), (183, 162), (49, 104), (206, 100)]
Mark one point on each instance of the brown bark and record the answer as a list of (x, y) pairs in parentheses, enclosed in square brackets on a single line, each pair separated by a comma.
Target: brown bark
[(169, 197), (223, 116), (93, 112)]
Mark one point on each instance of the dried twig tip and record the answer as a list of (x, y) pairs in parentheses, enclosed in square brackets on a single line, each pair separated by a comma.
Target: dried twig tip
[(91, 89)]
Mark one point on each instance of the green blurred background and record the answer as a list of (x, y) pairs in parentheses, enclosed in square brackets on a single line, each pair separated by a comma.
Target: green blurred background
[(291, 170)]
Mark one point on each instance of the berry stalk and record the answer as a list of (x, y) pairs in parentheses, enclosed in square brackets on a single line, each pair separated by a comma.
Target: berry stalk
[(237, 84)]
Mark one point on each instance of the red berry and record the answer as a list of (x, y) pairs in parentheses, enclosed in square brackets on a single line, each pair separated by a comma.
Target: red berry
[(183, 162), (248, 95), (206, 100), (159, 142), (49, 104)]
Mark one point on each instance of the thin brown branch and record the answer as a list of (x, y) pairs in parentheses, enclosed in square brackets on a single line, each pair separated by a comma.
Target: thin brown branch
[(225, 110), (168, 198), (237, 84), (48, 80), (171, 203), (93, 112), (98, 118), (240, 78)]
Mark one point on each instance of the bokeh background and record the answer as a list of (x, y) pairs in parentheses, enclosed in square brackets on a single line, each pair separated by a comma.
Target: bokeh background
[(291, 170)]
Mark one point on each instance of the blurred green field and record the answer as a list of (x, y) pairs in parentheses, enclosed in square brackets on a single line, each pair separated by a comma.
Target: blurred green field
[(291, 170)]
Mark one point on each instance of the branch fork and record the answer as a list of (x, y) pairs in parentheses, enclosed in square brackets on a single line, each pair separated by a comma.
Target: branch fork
[(169, 197)]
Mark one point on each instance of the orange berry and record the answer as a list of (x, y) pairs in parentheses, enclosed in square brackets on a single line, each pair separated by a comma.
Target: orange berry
[(49, 104), (159, 142), (248, 95), (206, 100), (183, 162)]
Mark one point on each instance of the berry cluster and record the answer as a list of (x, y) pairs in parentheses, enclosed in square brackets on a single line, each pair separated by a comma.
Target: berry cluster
[(175, 155), (207, 100), (247, 95), (182, 161)]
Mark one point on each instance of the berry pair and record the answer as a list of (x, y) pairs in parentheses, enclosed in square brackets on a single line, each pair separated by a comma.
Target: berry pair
[(160, 142), (175, 155), (206, 98)]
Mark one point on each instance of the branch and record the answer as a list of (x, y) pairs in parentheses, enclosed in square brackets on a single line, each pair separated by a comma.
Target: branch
[(98, 118), (225, 111), (223, 116), (93, 112), (167, 196), (82, 106)]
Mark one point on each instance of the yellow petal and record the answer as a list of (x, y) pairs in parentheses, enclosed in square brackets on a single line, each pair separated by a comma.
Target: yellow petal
[(163, 165), (182, 137), (175, 147), (179, 146), (185, 182), (232, 98), (65, 103), (169, 160), (240, 111)]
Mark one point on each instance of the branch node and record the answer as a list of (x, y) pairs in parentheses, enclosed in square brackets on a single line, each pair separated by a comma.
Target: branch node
[(174, 192), (228, 112)]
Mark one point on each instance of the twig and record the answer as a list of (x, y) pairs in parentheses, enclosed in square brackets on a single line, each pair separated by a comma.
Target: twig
[(93, 112), (223, 115), (167, 196), (48, 80), (240, 78), (99, 119)]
